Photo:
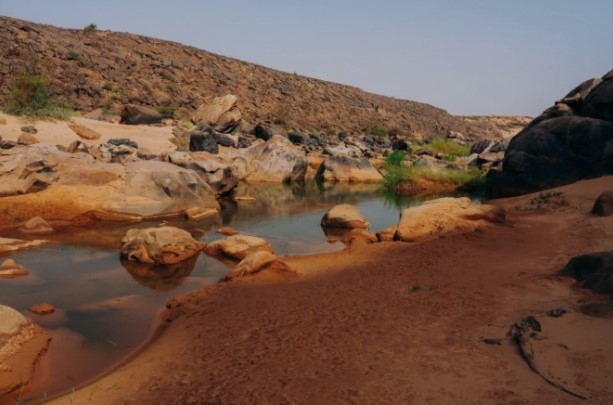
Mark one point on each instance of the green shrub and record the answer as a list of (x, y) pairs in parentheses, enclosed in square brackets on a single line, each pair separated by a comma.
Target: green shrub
[(29, 95), (90, 27), (394, 177), (376, 130), (448, 148), (73, 55), (167, 111), (107, 86), (395, 158)]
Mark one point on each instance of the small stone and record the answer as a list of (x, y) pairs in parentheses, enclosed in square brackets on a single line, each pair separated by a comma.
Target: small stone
[(197, 213), (42, 309), (35, 225), (27, 139), (29, 129), (603, 205), (226, 230), (244, 198)]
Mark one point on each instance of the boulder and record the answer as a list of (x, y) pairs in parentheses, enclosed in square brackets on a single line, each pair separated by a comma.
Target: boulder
[(603, 205), (202, 141), (22, 342), (276, 160), (341, 169), (344, 216), (84, 132), (262, 133), (35, 225), (137, 115), (29, 129), (568, 142), (164, 245), (10, 269), (24, 169), (238, 247), (27, 139), (253, 263), (160, 277), (593, 271), (222, 113), (387, 234), (296, 138), (445, 216)]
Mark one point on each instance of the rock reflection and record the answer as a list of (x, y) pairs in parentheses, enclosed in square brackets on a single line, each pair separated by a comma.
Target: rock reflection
[(334, 235), (160, 277)]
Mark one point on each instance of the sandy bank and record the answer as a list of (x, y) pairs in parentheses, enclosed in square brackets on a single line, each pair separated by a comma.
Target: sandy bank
[(390, 323)]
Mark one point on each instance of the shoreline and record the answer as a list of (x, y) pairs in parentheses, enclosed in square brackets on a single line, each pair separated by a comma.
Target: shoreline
[(192, 360)]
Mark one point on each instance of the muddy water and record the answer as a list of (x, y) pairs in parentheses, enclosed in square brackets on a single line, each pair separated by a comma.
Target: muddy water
[(106, 309)]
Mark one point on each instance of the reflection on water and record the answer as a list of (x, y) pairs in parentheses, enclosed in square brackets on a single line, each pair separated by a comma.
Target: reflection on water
[(106, 308)]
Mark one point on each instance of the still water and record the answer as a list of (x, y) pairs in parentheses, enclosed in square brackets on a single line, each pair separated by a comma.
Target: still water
[(106, 309)]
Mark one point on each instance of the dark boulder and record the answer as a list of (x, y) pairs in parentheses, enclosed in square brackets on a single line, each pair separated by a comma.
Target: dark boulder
[(123, 141), (570, 141), (296, 138), (136, 115), (223, 139), (555, 152), (486, 145), (604, 204), (400, 144), (593, 271), (201, 141), (261, 132)]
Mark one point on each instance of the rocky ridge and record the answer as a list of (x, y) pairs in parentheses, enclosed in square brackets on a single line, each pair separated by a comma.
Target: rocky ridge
[(109, 70)]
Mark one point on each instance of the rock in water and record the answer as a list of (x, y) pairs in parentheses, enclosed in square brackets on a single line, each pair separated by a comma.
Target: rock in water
[(344, 216), (445, 216), (238, 246), (10, 269), (164, 245), (21, 344), (42, 309), (35, 225), (343, 169)]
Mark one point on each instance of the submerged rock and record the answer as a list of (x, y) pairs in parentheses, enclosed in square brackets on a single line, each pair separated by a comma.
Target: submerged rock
[(35, 225), (13, 245), (21, 344), (445, 216), (164, 245), (344, 216), (42, 309)]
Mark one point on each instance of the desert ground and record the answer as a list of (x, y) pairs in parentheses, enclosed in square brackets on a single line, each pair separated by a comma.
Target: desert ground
[(391, 323)]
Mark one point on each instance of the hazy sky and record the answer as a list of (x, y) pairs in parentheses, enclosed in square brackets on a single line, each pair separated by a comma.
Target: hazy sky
[(469, 57)]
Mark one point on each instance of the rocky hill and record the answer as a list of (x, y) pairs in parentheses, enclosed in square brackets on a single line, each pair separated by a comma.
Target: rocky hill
[(93, 69)]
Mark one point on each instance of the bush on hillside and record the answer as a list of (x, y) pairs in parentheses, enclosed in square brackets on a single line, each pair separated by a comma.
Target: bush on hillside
[(29, 95)]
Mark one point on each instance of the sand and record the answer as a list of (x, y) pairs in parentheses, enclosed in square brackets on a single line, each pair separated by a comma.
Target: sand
[(388, 323), (391, 323), (53, 132)]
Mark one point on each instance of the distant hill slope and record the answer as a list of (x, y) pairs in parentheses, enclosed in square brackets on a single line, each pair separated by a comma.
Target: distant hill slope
[(103, 69)]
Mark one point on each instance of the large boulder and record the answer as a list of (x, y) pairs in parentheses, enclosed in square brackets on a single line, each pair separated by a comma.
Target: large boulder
[(593, 271), (222, 113), (568, 142), (445, 216), (344, 216), (21, 344), (276, 160), (342, 169), (136, 115), (83, 131), (78, 190), (238, 247), (164, 245), (200, 141)]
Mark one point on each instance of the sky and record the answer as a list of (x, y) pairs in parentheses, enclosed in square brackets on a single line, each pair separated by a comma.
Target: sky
[(470, 57)]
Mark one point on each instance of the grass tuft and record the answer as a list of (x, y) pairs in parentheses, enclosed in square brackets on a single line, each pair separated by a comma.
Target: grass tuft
[(448, 148)]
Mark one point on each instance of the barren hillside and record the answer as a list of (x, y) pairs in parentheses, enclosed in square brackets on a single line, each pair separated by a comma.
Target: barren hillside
[(94, 69)]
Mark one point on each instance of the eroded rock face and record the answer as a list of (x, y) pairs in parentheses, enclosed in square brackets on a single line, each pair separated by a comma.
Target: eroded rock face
[(571, 141), (344, 216), (342, 169), (445, 216), (21, 344), (238, 247), (164, 245)]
